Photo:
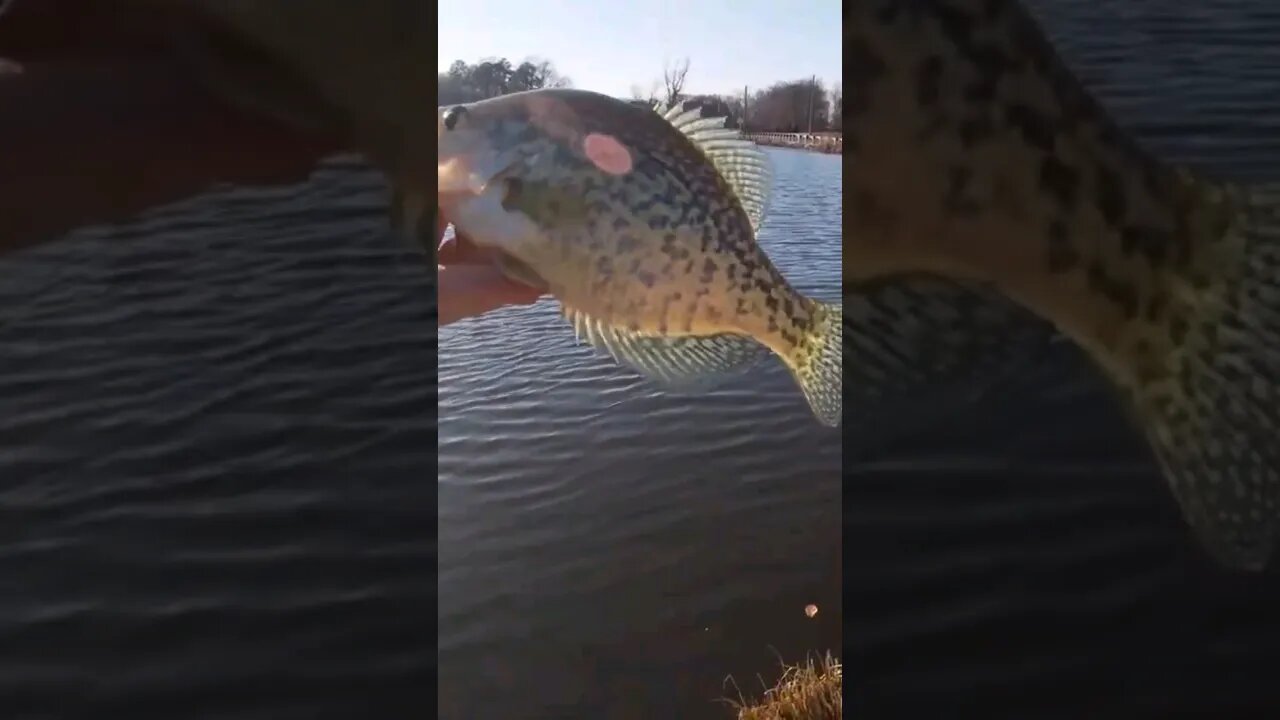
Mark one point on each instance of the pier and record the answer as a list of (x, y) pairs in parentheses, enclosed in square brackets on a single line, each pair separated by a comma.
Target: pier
[(823, 142)]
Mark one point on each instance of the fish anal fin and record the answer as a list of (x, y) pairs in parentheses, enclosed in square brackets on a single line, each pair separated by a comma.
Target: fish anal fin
[(917, 347), (675, 362)]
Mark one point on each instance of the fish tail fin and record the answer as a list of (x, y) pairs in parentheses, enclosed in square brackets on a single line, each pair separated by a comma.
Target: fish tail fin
[(1211, 404), (817, 366)]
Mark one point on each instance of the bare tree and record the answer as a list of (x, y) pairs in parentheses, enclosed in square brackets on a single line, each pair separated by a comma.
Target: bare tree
[(673, 80), (650, 96)]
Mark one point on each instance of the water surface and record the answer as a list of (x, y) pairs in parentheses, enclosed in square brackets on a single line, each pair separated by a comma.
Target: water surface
[(612, 550), (217, 449), (1023, 558), (217, 482)]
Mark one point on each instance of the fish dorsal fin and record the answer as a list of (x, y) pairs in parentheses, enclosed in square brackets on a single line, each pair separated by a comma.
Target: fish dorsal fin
[(741, 162), (675, 362)]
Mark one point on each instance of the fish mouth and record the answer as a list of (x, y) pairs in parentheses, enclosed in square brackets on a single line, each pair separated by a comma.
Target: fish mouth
[(455, 176), (461, 248), (464, 178)]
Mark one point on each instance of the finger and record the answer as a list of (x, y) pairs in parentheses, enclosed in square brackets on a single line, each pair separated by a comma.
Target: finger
[(468, 291), (461, 250)]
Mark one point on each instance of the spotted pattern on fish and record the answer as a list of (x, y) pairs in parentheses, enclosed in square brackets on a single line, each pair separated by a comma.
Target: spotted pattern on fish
[(701, 233), (978, 157), (666, 249)]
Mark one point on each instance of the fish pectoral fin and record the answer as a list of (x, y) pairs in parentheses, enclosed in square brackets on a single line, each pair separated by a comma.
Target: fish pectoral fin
[(676, 362)]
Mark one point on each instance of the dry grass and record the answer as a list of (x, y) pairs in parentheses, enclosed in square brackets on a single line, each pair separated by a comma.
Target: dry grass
[(810, 691)]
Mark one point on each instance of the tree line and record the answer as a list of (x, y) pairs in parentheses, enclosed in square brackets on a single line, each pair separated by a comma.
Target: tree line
[(496, 76), (789, 106)]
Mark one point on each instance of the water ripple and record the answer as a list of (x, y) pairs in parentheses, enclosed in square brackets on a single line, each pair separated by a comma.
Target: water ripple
[(200, 407), (1027, 559), (584, 506)]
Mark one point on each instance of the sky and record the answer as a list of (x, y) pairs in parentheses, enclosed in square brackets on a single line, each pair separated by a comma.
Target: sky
[(611, 45)]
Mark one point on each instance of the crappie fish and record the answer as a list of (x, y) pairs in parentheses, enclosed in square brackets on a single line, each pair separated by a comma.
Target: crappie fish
[(975, 156), (643, 226), (919, 348)]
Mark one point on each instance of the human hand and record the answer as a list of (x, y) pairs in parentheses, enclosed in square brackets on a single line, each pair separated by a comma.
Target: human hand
[(470, 282)]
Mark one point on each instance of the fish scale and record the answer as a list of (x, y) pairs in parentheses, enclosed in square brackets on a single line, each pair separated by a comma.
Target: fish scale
[(889, 363), (655, 262), (980, 159)]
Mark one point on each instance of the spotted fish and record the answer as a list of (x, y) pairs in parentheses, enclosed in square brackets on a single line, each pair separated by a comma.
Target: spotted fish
[(919, 348), (643, 226), (978, 157), (909, 345)]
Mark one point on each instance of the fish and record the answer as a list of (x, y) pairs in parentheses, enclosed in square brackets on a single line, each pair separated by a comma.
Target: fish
[(643, 225), (973, 154), (920, 349), (912, 346)]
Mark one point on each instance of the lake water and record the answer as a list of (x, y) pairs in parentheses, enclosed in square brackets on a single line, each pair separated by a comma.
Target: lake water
[(217, 449), (217, 494), (1022, 558), (611, 550)]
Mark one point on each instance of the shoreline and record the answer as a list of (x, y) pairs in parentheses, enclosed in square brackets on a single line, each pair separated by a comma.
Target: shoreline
[(811, 690), (831, 143)]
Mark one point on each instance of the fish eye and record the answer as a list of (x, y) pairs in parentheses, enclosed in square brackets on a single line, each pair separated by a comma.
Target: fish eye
[(452, 115)]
